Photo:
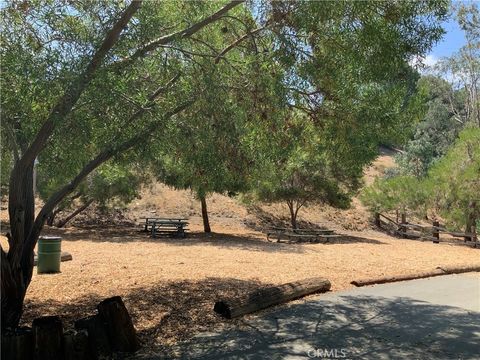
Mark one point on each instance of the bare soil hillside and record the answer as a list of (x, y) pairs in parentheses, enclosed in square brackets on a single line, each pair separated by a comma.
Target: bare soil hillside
[(231, 215)]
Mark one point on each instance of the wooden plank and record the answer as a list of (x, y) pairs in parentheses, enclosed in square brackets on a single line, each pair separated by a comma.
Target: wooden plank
[(438, 228), (294, 236), (431, 238), (298, 230), (415, 226), (386, 217)]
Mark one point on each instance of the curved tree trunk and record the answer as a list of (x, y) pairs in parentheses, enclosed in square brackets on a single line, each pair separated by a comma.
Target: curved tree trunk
[(294, 206), (64, 222), (206, 223), (52, 216), (293, 214), (17, 264), (59, 209)]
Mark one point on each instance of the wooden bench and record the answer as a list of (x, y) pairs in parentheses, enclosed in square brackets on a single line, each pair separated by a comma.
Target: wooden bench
[(329, 236), (303, 231), (311, 235)]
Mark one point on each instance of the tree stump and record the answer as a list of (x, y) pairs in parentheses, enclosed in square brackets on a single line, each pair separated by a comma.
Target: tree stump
[(47, 338), (119, 325), (76, 346), (267, 297), (98, 342), (17, 345)]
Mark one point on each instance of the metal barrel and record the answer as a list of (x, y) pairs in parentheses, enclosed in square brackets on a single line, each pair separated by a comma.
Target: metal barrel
[(49, 254)]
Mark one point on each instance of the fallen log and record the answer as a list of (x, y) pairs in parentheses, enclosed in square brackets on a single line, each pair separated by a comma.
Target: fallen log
[(47, 338), (459, 269), (119, 325), (17, 345), (440, 270), (65, 256), (388, 279), (270, 296)]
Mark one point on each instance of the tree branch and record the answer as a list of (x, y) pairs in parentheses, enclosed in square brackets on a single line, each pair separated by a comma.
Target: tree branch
[(14, 145), (142, 52), (102, 157), (72, 94), (236, 42)]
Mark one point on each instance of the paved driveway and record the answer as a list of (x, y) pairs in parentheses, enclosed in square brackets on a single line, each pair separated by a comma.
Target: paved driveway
[(435, 318)]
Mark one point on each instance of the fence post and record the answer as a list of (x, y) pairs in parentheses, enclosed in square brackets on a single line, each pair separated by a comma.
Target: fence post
[(403, 229), (473, 231), (436, 232)]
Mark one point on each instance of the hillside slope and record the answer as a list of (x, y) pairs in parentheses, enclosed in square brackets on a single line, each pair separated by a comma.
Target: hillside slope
[(230, 215)]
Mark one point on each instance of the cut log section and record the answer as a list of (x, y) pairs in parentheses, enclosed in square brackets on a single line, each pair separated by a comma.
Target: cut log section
[(17, 345), (75, 346), (47, 338), (98, 342), (119, 325), (271, 296)]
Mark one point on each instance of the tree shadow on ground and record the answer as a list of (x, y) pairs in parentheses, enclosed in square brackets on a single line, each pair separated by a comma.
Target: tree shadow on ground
[(365, 327), (172, 319), (253, 241), (162, 314), (350, 239), (265, 220), (250, 241)]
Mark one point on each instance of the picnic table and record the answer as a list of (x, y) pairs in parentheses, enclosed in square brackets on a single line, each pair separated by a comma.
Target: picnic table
[(311, 235), (166, 226)]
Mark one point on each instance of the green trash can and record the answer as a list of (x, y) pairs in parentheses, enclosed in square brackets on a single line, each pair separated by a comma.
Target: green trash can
[(49, 254)]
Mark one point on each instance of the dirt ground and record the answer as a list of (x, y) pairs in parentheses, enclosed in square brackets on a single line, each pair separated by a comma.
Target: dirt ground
[(170, 285)]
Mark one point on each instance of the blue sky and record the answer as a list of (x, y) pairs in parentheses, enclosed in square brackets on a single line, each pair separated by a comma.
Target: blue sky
[(453, 40)]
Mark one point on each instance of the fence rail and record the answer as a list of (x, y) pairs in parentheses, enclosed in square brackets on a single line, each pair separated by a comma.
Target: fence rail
[(426, 232)]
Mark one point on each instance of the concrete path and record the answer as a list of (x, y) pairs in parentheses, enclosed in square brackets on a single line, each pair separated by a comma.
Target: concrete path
[(434, 318)]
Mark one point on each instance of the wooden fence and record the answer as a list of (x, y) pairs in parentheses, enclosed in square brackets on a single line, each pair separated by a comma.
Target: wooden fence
[(425, 232)]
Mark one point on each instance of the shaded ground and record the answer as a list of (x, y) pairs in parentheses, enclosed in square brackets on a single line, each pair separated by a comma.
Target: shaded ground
[(437, 318), (170, 285)]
